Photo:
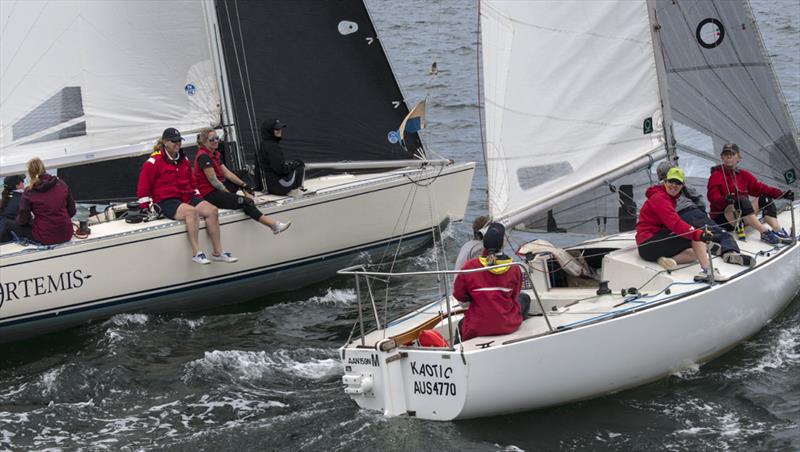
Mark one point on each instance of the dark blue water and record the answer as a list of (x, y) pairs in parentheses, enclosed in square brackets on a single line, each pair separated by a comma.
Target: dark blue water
[(264, 375)]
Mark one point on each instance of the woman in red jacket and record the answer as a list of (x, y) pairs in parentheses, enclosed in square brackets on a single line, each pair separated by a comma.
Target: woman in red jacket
[(211, 175), (495, 304), (663, 237), (166, 180), (729, 190), (49, 200)]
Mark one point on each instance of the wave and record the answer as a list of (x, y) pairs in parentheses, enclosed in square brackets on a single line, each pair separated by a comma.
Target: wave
[(249, 366)]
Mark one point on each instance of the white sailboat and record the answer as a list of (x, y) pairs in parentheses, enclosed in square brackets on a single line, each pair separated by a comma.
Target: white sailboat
[(575, 102), (87, 86)]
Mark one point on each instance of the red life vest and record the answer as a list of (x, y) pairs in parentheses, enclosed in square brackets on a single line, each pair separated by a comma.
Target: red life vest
[(200, 178)]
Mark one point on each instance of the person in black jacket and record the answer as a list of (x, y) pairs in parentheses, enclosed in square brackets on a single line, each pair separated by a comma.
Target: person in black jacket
[(281, 176), (13, 186)]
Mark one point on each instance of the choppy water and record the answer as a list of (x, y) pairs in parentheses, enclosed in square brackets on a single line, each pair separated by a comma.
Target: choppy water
[(264, 375)]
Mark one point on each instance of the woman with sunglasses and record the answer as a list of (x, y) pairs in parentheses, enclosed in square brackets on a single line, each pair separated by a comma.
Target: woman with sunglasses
[(166, 180), (211, 176), (663, 237)]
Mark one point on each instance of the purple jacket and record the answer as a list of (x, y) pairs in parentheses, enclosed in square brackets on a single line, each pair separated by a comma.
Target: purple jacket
[(52, 206)]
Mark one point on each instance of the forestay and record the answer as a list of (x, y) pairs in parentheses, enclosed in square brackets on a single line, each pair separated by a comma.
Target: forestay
[(571, 97), (89, 81), (723, 89)]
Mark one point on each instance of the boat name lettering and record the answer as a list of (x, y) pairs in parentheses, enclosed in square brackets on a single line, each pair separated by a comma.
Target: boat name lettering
[(440, 388), (431, 370), (41, 285), (364, 361)]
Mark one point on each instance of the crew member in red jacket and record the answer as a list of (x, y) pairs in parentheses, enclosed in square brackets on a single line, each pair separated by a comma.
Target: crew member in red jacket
[(52, 205), (729, 190), (495, 304), (212, 177), (166, 180), (663, 237)]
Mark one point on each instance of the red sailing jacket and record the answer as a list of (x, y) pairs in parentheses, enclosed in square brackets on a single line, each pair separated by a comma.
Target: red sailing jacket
[(162, 179), (494, 307), (52, 205), (203, 185), (658, 212), (737, 182)]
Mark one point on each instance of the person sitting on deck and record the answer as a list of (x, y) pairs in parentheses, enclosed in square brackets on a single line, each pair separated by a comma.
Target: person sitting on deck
[(283, 177), (729, 191), (692, 209), (210, 175), (50, 201), (13, 187), (166, 180), (495, 303), (474, 247), (663, 237)]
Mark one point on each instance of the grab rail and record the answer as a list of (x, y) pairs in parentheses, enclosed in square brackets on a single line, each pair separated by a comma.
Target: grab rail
[(360, 270)]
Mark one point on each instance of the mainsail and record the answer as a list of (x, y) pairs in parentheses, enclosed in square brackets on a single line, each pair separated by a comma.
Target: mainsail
[(87, 81), (319, 66), (569, 97)]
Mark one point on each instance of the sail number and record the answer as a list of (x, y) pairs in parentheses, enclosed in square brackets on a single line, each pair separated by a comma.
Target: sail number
[(431, 383)]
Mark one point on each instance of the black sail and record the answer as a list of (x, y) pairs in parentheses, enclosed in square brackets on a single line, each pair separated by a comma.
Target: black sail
[(318, 66)]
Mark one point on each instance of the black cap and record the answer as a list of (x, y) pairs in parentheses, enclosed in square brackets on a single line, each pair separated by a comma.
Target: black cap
[(730, 147), (11, 182), (171, 134), (493, 237), (278, 124)]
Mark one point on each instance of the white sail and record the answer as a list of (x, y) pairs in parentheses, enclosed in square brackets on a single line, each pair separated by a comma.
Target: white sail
[(88, 81), (570, 98)]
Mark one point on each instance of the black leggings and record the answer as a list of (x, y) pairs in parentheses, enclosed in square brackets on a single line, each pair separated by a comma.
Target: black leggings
[(228, 200)]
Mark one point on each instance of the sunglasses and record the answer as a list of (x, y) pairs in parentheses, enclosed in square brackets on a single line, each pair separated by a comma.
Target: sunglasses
[(175, 141), (675, 182), (213, 139)]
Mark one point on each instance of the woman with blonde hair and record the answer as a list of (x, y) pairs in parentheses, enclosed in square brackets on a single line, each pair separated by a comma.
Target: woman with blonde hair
[(50, 201), (212, 176)]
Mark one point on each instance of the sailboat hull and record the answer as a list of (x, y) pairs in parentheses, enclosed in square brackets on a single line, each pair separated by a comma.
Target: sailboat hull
[(135, 268), (600, 345)]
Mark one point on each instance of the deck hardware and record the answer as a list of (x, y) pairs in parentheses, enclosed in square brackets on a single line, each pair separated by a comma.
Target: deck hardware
[(485, 344), (394, 358), (603, 289), (387, 345)]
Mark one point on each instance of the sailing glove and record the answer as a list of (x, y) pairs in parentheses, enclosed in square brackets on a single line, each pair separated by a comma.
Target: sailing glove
[(789, 195), (730, 199)]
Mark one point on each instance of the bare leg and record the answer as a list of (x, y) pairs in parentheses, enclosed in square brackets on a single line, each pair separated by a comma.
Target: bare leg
[(700, 250), (211, 214), (753, 222), (265, 220), (772, 222), (730, 215), (685, 257), (189, 214)]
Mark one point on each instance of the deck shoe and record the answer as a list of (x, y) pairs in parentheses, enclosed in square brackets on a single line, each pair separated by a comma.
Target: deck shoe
[(225, 257), (732, 257), (782, 233), (280, 227), (703, 276), (296, 193), (667, 263), (201, 258), (715, 248), (770, 237)]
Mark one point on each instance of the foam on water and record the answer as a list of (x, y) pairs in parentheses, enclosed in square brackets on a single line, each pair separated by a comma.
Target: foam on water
[(247, 365), (127, 319), (335, 297)]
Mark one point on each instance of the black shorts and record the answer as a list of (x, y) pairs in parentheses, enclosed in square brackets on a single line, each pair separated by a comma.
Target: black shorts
[(663, 244), (169, 206)]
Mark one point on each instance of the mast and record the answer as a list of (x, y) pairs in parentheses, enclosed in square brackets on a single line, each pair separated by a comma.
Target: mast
[(218, 57), (661, 73)]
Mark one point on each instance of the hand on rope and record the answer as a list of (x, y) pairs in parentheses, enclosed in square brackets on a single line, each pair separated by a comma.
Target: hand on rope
[(730, 199)]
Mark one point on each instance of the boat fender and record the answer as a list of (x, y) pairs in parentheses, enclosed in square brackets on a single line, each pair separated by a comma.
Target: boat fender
[(432, 338)]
